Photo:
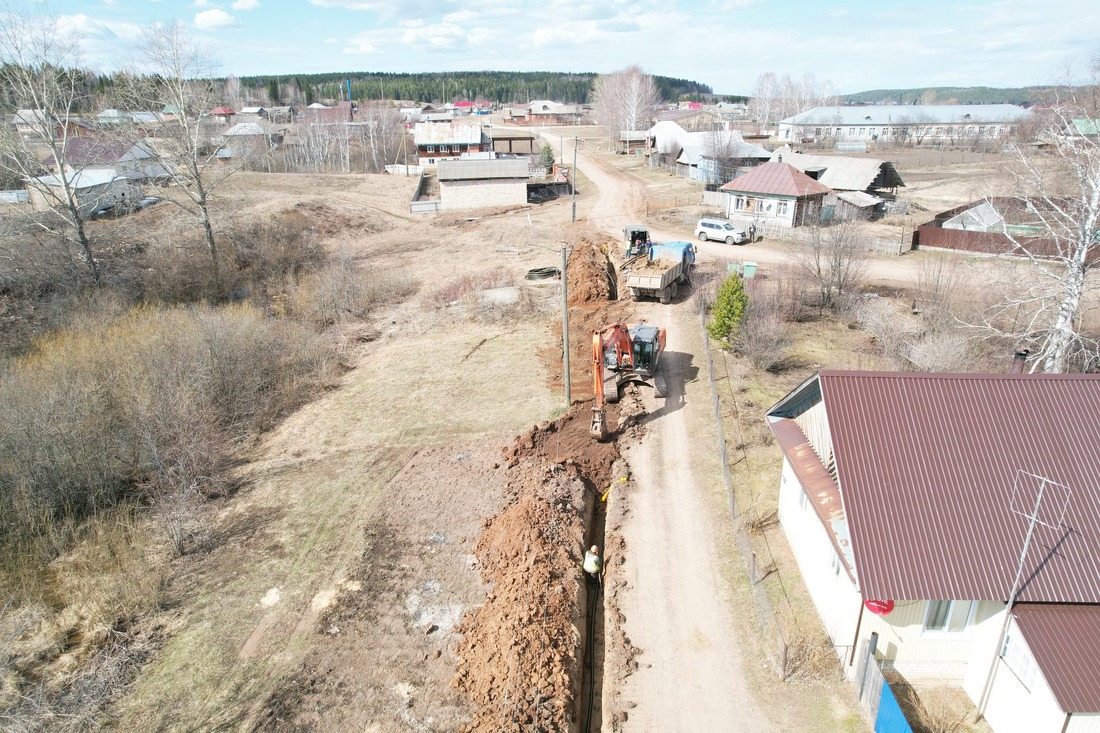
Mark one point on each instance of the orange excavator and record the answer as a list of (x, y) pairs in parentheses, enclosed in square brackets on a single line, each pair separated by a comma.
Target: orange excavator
[(620, 355)]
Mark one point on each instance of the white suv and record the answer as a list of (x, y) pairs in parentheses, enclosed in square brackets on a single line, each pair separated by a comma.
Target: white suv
[(718, 230)]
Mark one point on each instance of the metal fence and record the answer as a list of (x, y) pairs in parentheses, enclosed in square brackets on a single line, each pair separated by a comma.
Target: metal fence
[(776, 645), (878, 701)]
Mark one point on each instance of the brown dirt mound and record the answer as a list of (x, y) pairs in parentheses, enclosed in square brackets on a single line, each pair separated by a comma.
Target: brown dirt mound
[(329, 221), (590, 277), (520, 650)]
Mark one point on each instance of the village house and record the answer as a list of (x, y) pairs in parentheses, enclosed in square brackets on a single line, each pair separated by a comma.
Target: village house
[(546, 112), (904, 123), (775, 193), (435, 141), (511, 142), (93, 190), (861, 185), (711, 157), (473, 184), (908, 499), (30, 122), (128, 159)]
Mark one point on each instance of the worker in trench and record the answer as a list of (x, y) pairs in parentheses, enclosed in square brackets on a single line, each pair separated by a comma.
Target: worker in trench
[(592, 567)]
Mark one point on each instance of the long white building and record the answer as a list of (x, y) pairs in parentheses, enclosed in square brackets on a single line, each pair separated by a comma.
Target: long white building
[(904, 123)]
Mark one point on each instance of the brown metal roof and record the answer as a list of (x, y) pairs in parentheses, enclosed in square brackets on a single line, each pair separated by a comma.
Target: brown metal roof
[(1065, 641), (927, 465), (776, 179), (818, 485)]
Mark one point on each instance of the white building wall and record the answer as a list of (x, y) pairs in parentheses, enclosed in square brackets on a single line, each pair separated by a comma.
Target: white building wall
[(1021, 705), (830, 588), (1084, 723), (477, 194), (933, 656)]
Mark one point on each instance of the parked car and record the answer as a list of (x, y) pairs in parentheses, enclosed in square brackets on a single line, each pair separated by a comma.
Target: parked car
[(719, 230)]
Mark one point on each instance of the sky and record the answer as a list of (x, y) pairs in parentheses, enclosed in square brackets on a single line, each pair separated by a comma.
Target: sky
[(727, 44)]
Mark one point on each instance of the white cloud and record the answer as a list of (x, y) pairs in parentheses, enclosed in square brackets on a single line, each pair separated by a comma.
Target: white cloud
[(360, 45), (446, 36), (246, 4), (202, 3), (209, 20)]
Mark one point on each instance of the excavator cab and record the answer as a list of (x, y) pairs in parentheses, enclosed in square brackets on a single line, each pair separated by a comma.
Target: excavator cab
[(648, 345)]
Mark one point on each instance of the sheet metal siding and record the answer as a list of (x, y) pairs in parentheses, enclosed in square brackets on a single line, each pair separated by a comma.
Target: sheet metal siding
[(1065, 641), (927, 465)]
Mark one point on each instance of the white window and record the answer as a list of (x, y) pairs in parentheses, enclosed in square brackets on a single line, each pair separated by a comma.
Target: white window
[(431, 148), (803, 501), (1019, 661), (835, 564), (949, 616), (781, 208)]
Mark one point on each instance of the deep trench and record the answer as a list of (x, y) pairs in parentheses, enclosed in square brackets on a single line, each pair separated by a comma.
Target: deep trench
[(591, 697)]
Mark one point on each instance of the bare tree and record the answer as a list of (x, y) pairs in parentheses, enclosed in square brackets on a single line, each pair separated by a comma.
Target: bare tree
[(39, 71), (179, 75), (1059, 202), (763, 98), (724, 147), (625, 100), (382, 130), (835, 259)]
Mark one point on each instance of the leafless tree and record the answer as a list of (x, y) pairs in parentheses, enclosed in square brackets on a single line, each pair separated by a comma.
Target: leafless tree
[(179, 73), (39, 69), (1059, 199), (763, 98), (625, 100), (835, 259), (382, 130)]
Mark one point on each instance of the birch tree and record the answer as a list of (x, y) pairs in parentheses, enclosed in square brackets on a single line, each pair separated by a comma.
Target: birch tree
[(1058, 196), (39, 71), (763, 98), (178, 72), (625, 100)]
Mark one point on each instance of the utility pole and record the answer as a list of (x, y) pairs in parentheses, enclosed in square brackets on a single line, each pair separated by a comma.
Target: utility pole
[(565, 324), (574, 186)]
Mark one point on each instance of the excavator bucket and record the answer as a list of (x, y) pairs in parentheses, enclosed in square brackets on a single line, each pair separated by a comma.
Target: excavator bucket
[(599, 424)]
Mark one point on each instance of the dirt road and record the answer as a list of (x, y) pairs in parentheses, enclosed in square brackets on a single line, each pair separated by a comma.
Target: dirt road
[(690, 674)]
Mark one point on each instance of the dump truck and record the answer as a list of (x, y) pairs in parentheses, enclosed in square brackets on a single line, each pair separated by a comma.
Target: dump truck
[(661, 272)]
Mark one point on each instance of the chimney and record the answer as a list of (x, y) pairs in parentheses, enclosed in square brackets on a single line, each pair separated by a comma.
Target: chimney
[(779, 159), (1018, 360)]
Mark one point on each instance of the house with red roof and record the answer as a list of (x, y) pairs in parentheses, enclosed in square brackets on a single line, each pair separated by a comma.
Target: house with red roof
[(775, 192), (955, 518)]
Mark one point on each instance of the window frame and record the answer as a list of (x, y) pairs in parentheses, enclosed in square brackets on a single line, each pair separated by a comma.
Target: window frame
[(948, 616)]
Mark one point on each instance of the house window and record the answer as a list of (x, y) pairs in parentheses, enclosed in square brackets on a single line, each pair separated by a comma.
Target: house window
[(1019, 661), (862, 130), (803, 501), (949, 616), (781, 208), (431, 149), (835, 564)]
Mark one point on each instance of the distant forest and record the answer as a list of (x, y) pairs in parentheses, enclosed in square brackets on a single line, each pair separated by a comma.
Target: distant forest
[(952, 95), (502, 87)]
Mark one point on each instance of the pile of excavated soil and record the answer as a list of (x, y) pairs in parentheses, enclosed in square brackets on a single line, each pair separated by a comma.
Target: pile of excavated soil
[(590, 274)]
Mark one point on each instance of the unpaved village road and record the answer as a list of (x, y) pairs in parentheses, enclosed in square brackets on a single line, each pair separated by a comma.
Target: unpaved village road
[(690, 675)]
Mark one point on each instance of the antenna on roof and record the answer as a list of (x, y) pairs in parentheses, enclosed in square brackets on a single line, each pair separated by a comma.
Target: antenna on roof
[(1022, 485)]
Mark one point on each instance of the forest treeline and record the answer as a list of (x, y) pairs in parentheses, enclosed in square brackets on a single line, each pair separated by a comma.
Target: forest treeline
[(501, 87), (951, 95)]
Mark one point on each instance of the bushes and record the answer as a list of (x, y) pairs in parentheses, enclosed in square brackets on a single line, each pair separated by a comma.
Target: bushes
[(146, 405)]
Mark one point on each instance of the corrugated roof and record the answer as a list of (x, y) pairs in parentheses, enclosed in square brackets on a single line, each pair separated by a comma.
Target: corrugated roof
[(85, 151), (927, 465), (508, 133), (472, 170), (892, 114), (859, 199), (245, 129), (84, 178), (1065, 641), (776, 179), (455, 133), (843, 173)]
